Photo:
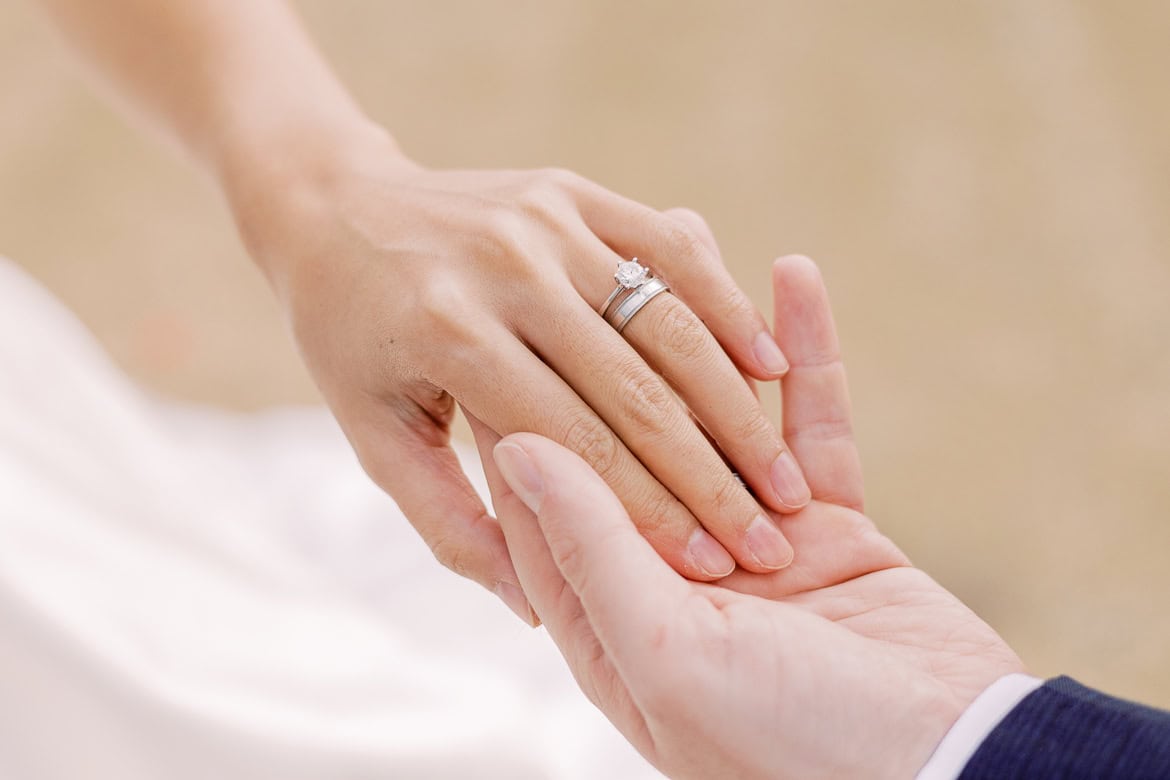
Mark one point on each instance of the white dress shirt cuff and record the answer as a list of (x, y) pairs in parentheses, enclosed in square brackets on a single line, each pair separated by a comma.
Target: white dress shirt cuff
[(976, 722)]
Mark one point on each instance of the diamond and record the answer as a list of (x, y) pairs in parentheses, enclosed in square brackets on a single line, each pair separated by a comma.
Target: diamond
[(631, 274)]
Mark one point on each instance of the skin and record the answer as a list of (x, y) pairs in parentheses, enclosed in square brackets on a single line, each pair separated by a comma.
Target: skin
[(850, 663), (411, 291)]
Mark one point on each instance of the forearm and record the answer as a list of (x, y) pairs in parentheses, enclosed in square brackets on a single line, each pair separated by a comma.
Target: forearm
[(239, 86)]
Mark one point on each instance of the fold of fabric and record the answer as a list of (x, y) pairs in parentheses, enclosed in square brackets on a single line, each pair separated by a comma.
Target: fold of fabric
[(190, 593)]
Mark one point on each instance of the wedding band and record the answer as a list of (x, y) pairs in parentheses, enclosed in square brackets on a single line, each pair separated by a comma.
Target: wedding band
[(620, 317), (630, 275)]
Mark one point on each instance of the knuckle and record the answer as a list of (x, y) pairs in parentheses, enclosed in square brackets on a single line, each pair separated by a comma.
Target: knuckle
[(689, 216), (683, 242), (645, 402), (377, 457), (570, 560), (503, 228), (825, 429), (433, 301), (753, 427), (727, 494), (680, 332), (587, 436), (521, 272), (562, 178), (827, 360), (655, 518), (376, 467), (442, 309), (542, 198), (733, 304), (568, 556), (452, 552), (540, 205)]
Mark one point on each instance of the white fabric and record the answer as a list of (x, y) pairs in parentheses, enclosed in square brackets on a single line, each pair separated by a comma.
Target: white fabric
[(191, 593), (976, 722)]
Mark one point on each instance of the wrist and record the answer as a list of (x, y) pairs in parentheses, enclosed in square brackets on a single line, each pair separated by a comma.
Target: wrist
[(276, 182), (975, 723), (935, 709)]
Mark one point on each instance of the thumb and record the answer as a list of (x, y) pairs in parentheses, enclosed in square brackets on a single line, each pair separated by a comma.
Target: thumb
[(416, 466), (623, 586)]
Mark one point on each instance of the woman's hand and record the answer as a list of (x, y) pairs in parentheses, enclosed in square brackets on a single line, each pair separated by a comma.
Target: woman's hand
[(412, 290), (854, 666)]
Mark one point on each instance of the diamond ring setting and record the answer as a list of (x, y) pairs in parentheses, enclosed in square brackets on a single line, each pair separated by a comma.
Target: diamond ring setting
[(630, 275), (635, 287)]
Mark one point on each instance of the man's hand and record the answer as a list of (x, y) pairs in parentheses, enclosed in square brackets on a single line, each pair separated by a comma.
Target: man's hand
[(854, 664)]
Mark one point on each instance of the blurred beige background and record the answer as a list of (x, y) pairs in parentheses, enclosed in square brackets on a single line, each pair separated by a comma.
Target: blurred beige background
[(985, 185)]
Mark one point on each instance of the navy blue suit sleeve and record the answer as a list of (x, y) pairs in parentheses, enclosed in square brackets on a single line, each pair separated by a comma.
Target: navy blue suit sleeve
[(1065, 730)]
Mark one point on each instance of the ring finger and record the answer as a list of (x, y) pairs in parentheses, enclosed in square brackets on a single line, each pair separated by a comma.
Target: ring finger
[(679, 346), (609, 375), (514, 391)]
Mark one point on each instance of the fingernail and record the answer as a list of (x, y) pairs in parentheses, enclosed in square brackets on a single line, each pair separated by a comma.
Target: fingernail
[(514, 598), (789, 481), (768, 545), (768, 354), (520, 473), (709, 555)]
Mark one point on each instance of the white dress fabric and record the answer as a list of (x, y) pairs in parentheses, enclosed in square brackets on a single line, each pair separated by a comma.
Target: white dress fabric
[(192, 593)]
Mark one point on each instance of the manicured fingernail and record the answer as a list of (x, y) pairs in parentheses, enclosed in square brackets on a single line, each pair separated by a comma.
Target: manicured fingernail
[(789, 481), (514, 598), (709, 555), (768, 545), (769, 355), (520, 473)]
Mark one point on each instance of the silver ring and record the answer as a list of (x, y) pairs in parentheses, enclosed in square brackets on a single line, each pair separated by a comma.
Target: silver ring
[(630, 275), (620, 317)]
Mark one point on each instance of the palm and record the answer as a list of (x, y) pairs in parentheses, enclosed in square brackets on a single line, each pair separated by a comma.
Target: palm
[(845, 569), (850, 621), (847, 572), (916, 619)]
